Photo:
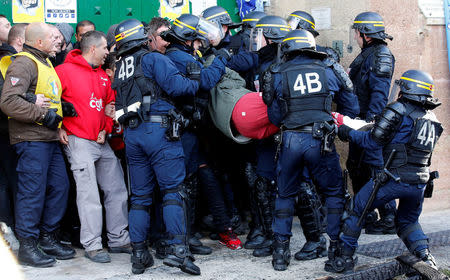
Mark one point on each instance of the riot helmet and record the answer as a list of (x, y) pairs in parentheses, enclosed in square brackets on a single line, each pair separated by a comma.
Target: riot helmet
[(129, 34), (302, 20), (274, 28), (417, 86), (249, 21), (372, 25), (183, 28), (300, 40), (220, 16)]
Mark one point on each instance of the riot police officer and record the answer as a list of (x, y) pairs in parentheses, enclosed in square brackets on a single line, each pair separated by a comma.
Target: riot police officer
[(242, 38), (371, 74), (185, 42), (146, 84), (221, 17), (406, 132), (267, 34), (298, 93)]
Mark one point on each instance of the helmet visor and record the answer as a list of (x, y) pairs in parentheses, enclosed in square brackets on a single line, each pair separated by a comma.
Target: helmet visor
[(257, 40), (394, 91), (293, 22), (210, 31)]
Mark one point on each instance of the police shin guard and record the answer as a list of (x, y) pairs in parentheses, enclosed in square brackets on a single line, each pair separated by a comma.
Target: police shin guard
[(191, 189), (255, 237), (180, 257), (281, 256), (140, 257), (340, 259), (265, 207), (309, 210)]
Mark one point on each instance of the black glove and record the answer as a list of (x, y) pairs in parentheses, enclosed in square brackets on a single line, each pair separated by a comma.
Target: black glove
[(222, 53), (51, 119), (30, 97), (267, 88), (193, 71), (68, 109), (343, 132), (379, 175)]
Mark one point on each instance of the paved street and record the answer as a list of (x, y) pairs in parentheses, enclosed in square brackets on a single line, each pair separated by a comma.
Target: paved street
[(227, 264)]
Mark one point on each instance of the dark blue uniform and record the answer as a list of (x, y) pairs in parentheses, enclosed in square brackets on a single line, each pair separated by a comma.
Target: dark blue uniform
[(299, 150), (152, 159), (194, 153), (413, 178), (371, 74)]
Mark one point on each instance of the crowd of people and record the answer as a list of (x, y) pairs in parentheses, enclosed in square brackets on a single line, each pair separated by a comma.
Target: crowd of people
[(155, 133)]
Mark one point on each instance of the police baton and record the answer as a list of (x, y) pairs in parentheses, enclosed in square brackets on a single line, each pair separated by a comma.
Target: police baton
[(377, 185)]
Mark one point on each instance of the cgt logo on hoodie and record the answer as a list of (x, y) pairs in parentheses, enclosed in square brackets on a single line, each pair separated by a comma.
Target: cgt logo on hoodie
[(96, 103)]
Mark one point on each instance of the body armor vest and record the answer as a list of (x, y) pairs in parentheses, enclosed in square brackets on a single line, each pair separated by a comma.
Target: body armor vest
[(132, 86), (306, 95), (412, 160)]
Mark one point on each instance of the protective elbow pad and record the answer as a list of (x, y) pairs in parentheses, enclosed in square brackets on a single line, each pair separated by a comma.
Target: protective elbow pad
[(388, 123)]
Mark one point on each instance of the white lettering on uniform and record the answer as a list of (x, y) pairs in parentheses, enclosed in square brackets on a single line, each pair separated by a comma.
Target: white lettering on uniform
[(313, 83)]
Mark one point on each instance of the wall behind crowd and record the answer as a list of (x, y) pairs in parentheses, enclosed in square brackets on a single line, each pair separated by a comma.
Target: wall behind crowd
[(105, 13), (416, 45)]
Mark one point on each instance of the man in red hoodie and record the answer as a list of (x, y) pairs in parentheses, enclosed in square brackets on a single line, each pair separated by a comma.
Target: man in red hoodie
[(86, 85)]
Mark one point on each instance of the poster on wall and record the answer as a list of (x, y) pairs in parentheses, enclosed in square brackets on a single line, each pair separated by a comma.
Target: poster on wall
[(173, 8), (25, 11), (61, 11), (199, 5)]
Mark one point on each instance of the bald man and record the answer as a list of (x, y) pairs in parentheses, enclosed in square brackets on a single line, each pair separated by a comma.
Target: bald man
[(31, 97)]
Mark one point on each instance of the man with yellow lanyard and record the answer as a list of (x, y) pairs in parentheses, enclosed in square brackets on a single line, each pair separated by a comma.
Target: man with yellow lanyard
[(33, 123)]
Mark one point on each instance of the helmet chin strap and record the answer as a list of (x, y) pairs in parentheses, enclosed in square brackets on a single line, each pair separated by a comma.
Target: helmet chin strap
[(365, 43)]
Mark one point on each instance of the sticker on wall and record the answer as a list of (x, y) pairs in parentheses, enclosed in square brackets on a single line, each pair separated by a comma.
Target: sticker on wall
[(173, 8), (25, 11), (198, 6), (61, 11)]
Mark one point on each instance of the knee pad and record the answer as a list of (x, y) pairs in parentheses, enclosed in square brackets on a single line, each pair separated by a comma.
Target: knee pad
[(413, 237)]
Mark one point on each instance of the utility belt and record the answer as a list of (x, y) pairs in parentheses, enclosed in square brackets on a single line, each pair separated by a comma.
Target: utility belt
[(323, 131)]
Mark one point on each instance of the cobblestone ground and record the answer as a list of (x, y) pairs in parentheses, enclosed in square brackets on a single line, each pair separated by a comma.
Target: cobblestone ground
[(228, 264)]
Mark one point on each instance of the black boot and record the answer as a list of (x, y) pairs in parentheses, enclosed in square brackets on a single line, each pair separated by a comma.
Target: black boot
[(340, 260), (49, 243), (161, 249), (30, 254), (386, 225), (140, 257), (255, 239), (281, 256), (312, 250), (426, 256), (197, 247), (265, 250), (179, 256), (370, 219)]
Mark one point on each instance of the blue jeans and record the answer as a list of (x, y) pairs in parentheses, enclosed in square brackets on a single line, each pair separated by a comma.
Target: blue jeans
[(43, 188)]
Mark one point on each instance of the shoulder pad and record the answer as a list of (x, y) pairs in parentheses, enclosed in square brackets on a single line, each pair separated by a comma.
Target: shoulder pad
[(383, 65), (398, 107), (340, 73)]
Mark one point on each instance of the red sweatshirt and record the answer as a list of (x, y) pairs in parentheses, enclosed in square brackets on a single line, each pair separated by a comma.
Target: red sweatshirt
[(89, 90)]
